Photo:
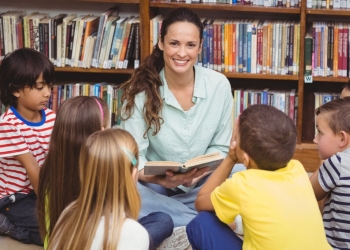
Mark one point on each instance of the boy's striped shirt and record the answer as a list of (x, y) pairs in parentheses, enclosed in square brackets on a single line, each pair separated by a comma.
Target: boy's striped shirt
[(334, 177), (18, 136)]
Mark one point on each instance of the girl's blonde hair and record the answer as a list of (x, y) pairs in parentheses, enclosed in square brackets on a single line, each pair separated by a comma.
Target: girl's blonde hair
[(107, 160)]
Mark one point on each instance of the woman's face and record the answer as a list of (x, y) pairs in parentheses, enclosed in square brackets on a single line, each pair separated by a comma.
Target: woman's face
[(181, 47)]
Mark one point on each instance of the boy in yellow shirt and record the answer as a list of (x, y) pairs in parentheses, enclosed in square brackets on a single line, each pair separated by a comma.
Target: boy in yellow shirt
[(274, 195)]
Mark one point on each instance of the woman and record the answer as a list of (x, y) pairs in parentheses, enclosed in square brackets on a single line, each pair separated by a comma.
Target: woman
[(176, 111)]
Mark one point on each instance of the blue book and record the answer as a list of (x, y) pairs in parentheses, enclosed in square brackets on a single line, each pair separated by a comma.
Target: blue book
[(211, 45), (249, 47), (204, 50), (245, 46), (240, 48)]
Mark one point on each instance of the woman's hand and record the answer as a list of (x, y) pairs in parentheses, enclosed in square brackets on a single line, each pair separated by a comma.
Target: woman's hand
[(172, 180)]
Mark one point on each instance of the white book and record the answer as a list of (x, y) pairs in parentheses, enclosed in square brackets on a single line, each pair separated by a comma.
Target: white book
[(75, 38), (253, 60)]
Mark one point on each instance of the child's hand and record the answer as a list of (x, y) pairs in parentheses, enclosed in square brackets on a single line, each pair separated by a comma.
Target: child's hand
[(233, 144)]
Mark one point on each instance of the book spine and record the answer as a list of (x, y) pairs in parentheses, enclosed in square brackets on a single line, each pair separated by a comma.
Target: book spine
[(129, 48), (41, 38), (46, 38), (137, 46), (308, 55)]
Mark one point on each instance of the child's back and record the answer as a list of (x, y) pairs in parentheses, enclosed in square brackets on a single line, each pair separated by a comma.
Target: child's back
[(273, 196), (278, 208)]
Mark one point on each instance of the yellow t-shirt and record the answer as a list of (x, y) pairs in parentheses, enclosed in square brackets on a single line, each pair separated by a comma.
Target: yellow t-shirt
[(278, 208)]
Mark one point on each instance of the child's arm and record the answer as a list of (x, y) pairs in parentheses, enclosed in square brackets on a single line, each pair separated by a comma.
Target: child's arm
[(319, 192), (203, 201), (32, 167)]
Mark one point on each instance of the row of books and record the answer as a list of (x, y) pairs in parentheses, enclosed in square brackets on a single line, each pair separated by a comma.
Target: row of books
[(109, 92), (266, 3), (247, 46), (328, 4), (322, 98), (106, 41), (286, 101), (327, 50)]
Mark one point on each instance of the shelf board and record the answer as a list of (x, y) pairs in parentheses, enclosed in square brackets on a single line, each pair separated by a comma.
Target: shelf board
[(110, 1), (94, 70), (261, 76), (328, 12), (229, 7), (330, 79)]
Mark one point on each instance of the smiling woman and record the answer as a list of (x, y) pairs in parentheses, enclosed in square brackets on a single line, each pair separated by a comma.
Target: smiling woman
[(166, 103)]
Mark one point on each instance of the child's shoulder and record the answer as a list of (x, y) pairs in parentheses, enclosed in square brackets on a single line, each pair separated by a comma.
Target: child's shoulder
[(50, 114), (8, 117)]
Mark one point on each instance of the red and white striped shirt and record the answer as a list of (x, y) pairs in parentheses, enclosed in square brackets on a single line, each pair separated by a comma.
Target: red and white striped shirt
[(18, 136)]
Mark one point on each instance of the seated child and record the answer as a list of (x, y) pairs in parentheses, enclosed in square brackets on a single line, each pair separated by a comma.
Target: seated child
[(25, 128), (274, 195), (104, 216), (331, 180), (345, 91)]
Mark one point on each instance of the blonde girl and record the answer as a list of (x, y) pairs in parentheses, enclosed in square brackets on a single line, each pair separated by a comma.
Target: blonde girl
[(105, 212)]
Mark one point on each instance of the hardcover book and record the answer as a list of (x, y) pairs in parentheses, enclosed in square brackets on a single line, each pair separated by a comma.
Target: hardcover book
[(212, 161)]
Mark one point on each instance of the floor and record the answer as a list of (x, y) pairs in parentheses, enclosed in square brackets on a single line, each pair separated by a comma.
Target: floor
[(6, 243)]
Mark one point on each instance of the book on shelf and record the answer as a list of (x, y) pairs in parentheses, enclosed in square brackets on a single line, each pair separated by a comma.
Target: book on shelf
[(90, 26), (125, 40), (102, 23), (308, 54), (117, 41), (56, 20), (131, 44), (212, 160), (137, 47), (108, 32), (66, 29)]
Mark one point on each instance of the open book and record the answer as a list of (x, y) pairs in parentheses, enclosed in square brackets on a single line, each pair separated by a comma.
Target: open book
[(212, 161)]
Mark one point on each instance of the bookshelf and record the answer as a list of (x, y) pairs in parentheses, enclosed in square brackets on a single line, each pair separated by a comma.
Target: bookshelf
[(306, 151)]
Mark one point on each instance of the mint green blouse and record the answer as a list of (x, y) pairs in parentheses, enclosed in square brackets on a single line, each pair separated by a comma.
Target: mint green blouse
[(205, 128)]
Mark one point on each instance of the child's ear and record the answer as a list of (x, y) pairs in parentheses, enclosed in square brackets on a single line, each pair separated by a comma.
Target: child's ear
[(16, 94), (246, 159), (344, 139), (248, 162)]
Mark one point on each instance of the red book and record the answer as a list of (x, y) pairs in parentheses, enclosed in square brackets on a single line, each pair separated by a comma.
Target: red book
[(345, 49)]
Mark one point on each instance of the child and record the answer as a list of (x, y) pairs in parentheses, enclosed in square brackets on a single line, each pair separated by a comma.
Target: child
[(345, 91), (274, 195), (108, 175), (25, 128), (331, 180), (59, 185)]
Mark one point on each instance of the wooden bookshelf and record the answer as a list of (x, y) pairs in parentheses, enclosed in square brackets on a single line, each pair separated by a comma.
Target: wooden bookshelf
[(227, 7), (94, 70), (329, 12), (306, 152)]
